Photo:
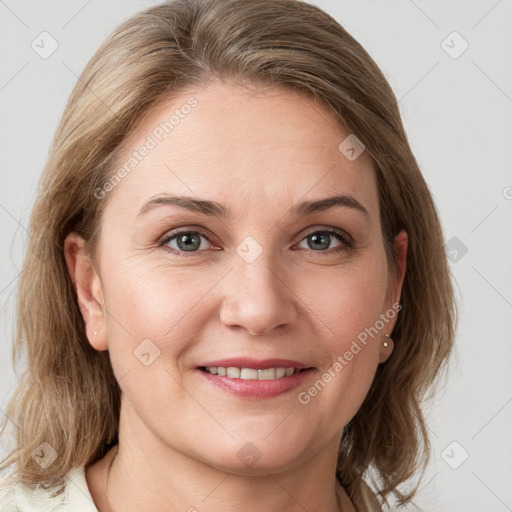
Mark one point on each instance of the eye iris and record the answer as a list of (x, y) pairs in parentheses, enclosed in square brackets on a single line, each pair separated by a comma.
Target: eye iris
[(188, 241), (322, 238)]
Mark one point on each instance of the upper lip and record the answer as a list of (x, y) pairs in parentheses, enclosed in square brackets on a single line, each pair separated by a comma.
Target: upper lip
[(255, 364)]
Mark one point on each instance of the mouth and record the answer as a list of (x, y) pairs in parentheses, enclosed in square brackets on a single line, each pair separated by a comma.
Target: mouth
[(249, 378)]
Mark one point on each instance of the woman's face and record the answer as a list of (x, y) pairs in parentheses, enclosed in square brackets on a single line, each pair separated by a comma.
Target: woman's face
[(252, 277)]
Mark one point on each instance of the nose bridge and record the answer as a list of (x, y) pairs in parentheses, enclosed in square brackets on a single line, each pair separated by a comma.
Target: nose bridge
[(257, 295)]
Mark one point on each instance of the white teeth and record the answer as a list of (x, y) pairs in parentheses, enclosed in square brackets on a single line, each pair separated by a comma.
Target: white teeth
[(233, 372), (252, 374), (249, 374), (270, 373)]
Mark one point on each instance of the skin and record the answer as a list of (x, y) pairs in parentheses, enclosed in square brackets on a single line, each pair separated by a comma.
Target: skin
[(179, 435)]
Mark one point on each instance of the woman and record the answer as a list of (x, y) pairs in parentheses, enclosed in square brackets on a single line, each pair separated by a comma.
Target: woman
[(236, 293)]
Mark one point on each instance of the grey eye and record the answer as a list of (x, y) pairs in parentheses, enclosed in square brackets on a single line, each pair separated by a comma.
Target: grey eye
[(187, 241), (320, 240)]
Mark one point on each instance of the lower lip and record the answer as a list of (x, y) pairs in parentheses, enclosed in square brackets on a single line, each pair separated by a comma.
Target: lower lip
[(257, 389)]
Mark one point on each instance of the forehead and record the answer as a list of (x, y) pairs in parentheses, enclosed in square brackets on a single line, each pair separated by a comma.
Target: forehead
[(244, 148)]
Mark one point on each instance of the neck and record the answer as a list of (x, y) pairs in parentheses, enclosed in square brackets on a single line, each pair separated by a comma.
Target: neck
[(141, 474)]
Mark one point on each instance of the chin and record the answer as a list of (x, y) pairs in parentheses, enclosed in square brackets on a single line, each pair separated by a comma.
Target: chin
[(258, 457)]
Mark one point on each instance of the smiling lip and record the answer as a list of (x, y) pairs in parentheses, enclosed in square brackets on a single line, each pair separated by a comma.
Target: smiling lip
[(256, 389)]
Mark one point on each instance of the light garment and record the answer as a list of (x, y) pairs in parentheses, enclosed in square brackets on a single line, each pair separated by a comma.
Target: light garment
[(77, 498), (366, 501)]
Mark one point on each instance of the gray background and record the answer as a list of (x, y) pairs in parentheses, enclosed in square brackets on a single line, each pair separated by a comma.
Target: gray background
[(457, 109)]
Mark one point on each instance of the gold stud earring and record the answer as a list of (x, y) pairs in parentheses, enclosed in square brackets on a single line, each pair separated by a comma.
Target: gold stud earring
[(386, 344)]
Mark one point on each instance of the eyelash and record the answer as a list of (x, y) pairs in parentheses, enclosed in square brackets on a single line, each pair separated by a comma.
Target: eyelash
[(344, 238)]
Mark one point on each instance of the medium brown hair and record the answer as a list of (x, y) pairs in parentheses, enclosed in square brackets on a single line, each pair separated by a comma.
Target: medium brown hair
[(68, 396)]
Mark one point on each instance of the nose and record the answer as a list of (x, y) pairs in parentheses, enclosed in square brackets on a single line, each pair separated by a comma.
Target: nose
[(257, 297)]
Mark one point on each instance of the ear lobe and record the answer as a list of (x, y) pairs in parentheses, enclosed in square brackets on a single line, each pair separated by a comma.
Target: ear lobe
[(87, 284), (385, 352)]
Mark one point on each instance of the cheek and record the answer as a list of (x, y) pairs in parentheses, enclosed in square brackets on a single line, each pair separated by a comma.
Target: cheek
[(157, 302), (347, 301), (155, 317), (349, 305)]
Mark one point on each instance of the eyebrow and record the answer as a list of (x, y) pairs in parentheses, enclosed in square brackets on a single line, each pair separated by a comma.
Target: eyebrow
[(212, 208)]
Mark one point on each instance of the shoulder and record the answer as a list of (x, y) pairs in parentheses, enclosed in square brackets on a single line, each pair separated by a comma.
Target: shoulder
[(73, 496)]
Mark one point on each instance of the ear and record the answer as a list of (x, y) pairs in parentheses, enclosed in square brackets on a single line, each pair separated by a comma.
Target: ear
[(87, 284), (394, 291), (397, 278)]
